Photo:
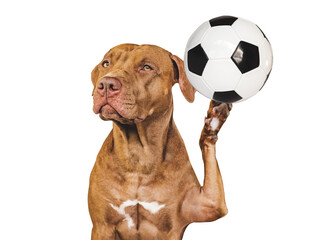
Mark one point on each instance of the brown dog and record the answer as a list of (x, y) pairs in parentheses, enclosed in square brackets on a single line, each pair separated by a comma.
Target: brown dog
[(142, 185)]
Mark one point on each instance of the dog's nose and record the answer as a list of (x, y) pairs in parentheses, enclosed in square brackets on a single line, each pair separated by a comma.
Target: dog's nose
[(108, 85)]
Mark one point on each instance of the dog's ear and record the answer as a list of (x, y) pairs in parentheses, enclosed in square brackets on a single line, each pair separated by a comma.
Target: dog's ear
[(94, 77), (187, 89)]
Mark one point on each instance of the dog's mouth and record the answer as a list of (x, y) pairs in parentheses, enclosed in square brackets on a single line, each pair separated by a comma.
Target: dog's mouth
[(108, 112)]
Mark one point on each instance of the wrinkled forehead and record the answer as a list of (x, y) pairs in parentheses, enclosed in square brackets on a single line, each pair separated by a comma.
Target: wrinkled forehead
[(139, 53)]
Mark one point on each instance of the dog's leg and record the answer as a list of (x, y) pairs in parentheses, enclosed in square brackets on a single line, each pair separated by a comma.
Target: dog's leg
[(104, 232), (207, 203)]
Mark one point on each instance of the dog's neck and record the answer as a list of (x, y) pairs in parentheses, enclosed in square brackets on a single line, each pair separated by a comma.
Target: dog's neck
[(141, 147)]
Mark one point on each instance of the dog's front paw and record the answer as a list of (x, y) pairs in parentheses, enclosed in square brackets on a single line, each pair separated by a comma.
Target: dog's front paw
[(216, 117)]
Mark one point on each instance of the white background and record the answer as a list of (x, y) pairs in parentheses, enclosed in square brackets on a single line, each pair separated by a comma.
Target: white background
[(268, 150)]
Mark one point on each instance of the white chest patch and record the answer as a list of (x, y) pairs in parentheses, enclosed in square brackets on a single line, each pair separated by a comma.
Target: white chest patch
[(214, 123), (152, 207)]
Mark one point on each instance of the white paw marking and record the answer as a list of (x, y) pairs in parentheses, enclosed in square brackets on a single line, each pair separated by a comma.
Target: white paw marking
[(152, 207), (214, 123)]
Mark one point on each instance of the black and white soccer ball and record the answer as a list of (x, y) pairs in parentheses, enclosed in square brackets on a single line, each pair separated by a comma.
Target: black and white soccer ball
[(228, 59)]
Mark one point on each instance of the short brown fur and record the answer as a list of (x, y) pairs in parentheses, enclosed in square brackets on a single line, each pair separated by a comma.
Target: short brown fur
[(144, 158)]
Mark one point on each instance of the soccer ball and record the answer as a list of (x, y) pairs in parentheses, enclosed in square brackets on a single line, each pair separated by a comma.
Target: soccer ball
[(228, 59)]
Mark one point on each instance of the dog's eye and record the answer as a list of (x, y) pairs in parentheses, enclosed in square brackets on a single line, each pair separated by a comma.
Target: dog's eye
[(105, 64), (147, 68)]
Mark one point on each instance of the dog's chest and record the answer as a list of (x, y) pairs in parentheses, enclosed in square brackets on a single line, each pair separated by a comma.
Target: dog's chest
[(132, 211), (136, 218), (138, 206)]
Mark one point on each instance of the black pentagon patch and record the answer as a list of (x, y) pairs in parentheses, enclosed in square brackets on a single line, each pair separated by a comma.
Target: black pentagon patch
[(226, 97), (223, 20), (246, 57), (197, 60)]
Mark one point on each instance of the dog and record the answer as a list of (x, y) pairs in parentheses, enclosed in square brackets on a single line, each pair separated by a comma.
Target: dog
[(142, 185)]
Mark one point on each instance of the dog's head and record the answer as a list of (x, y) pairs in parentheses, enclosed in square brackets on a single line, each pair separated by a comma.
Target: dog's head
[(133, 82)]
